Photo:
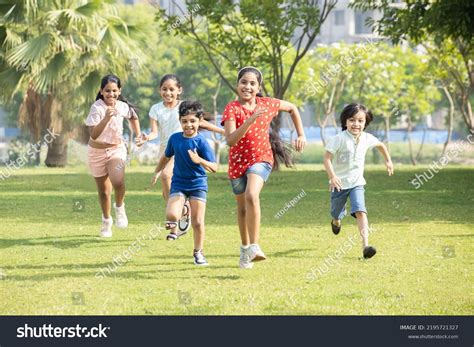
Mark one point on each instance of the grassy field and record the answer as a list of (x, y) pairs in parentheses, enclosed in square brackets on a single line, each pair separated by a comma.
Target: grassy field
[(52, 257)]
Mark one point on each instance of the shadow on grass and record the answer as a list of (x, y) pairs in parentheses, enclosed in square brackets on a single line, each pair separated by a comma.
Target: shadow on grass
[(58, 242)]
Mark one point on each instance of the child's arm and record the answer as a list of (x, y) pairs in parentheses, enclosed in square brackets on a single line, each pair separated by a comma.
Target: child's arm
[(233, 135), (211, 127), (208, 165), (135, 124), (296, 118), (161, 165), (151, 136), (388, 160), (334, 181)]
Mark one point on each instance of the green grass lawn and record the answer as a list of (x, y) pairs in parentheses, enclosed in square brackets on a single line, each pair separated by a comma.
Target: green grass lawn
[(51, 253)]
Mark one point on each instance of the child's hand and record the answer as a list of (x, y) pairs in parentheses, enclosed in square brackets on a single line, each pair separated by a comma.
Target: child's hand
[(300, 143), (155, 178), (194, 156), (257, 113), (140, 140), (389, 166), (335, 184), (110, 112)]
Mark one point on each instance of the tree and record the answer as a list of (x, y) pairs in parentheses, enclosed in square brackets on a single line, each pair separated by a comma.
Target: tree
[(55, 53), (447, 23)]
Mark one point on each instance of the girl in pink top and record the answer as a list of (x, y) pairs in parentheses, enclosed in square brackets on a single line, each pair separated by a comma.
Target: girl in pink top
[(106, 150), (247, 131)]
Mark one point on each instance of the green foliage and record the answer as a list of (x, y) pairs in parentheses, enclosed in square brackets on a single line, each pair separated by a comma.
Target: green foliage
[(260, 34)]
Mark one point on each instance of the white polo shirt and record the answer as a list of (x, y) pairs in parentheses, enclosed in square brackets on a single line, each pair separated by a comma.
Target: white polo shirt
[(349, 156), (167, 119)]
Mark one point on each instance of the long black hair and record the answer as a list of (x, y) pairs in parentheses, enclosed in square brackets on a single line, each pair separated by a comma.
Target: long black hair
[(351, 110), (282, 152), (114, 79)]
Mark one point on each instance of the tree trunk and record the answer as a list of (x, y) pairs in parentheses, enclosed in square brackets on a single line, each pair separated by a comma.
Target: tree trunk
[(418, 154), (57, 151), (450, 118), (410, 146), (387, 131)]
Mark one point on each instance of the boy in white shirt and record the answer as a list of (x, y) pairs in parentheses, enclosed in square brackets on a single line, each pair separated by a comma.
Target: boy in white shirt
[(344, 162)]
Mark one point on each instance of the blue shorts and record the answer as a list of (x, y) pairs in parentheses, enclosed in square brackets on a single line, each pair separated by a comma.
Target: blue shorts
[(339, 198), (198, 194), (262, 169)]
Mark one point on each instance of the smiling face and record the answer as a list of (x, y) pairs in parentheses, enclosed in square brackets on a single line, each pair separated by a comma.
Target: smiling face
[(170, 92), (248, 86), (190, 124), (110, 93), (356, 124)]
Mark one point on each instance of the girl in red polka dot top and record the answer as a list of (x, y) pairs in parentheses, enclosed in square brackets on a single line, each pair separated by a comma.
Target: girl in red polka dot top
[(247, 125)]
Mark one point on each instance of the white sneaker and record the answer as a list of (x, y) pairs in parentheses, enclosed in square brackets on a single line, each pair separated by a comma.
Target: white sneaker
[(255, 253), (106, 228), (199, 258), (244, 261), (121, 217)]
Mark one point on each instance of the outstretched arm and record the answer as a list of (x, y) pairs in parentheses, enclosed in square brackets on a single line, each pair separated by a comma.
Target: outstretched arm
[(386, 155), (151, 136), (296, 118), (135, 124), (334, 181), (211, 127), (159, 168)]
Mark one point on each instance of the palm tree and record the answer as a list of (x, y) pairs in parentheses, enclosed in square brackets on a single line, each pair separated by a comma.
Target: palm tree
[(55, 53)]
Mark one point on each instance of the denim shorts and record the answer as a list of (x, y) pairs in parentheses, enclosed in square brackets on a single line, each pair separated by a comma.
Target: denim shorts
[(262, 169), (339, 198), (198, 194)]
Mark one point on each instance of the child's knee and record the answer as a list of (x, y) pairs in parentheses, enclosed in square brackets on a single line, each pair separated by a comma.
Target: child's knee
[(360, 214), (197, 223), (251, 198)]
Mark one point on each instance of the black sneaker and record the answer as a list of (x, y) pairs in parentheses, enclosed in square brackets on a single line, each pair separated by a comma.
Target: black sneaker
[(369, 252), (335, 229)]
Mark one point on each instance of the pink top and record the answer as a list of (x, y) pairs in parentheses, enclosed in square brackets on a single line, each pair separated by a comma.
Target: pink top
[(113, 131)]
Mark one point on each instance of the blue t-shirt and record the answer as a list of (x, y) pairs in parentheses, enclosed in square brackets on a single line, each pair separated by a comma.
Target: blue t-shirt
[(187, 175)]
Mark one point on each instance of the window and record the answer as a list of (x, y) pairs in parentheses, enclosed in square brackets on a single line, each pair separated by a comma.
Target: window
[(339, 17), (360, 25)]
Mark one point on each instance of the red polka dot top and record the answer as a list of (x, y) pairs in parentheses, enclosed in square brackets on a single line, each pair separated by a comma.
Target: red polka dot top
[(254, 146)]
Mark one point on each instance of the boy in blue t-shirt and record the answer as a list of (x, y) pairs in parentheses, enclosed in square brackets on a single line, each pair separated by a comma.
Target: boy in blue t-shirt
[(193, 156)]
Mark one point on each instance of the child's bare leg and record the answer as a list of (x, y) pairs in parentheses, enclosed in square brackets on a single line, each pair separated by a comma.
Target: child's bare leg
[(363, 224), (252, 203), (165, 177), (173, 210), (116, 170), (104, 188), (198, 212), (241, 219)]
